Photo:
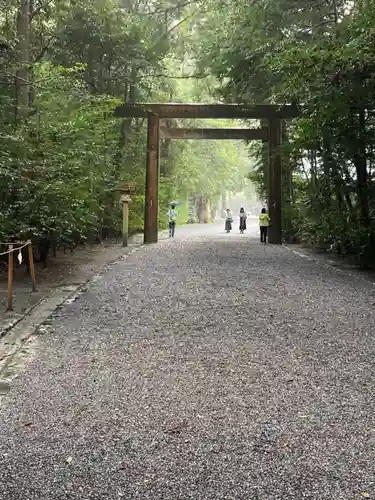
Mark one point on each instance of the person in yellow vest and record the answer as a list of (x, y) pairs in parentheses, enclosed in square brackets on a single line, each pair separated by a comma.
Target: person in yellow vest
[(264, 222)]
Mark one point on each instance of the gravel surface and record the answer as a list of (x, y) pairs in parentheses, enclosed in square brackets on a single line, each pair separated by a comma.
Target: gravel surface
[(206, 367)]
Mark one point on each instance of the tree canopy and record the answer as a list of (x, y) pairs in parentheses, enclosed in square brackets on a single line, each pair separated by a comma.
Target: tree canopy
[(65, 65)]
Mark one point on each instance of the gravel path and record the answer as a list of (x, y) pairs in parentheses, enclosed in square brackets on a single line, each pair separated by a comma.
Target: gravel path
[(208, 367)]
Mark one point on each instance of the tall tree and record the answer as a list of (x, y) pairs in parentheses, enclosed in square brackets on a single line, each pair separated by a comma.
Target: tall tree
[(22, 50)]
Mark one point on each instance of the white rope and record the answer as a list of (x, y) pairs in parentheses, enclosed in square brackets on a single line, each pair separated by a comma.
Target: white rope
[(14, 249)]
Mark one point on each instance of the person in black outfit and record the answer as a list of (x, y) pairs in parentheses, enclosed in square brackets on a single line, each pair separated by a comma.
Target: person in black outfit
[(242, 220)]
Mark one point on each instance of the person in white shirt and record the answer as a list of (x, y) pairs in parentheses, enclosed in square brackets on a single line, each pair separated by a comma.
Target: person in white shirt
[(172, 217), (228, 221)]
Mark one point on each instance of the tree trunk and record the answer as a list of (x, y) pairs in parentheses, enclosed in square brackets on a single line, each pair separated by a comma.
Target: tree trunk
[(327, 169), (224, 203), (22, 73), (361, 170), (201, 209), (287, 170), (207, 211), (130, 95)]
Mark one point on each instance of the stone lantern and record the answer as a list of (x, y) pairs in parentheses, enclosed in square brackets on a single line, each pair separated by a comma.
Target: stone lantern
[(126, 190)]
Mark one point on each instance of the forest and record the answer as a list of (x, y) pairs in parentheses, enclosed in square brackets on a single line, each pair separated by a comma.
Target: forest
[(66, 64)]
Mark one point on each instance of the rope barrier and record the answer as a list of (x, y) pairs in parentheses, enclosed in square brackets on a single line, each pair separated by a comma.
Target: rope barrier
[(10, 253), (14, 249), (16, 242)]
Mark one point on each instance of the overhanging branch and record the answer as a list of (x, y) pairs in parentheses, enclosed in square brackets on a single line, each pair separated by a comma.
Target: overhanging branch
[(182, 77)]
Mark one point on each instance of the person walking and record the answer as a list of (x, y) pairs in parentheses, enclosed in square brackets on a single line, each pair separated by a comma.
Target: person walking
[(264, 222), (228, 221), (243, 218), (172, 217)]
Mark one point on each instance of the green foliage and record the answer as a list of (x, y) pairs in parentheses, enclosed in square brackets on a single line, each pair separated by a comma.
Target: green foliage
[(320, 55), (61, 164)]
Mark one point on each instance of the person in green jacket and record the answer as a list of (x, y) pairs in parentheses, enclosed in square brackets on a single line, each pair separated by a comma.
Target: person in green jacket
[(264, 222)]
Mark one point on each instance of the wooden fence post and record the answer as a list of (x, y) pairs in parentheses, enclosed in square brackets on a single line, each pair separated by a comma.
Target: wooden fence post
[(31, 264), (10, 278)]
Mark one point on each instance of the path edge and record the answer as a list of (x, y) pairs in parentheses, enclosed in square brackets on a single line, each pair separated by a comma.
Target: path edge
[(11, 340), (354, 273)]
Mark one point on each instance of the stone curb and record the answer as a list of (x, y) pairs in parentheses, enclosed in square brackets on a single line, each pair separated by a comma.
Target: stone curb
[(15, 335), (17, 332), (21, 316), (330, 264)]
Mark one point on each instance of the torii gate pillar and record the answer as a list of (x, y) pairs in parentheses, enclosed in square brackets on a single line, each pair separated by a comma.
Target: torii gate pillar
[(274, 181), (152, 180)]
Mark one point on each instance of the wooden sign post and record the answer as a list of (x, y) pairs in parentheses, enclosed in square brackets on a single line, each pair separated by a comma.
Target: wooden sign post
[(10, 277)]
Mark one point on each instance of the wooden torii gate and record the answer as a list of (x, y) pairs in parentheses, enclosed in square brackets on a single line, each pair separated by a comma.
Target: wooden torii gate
[(274, 114)]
